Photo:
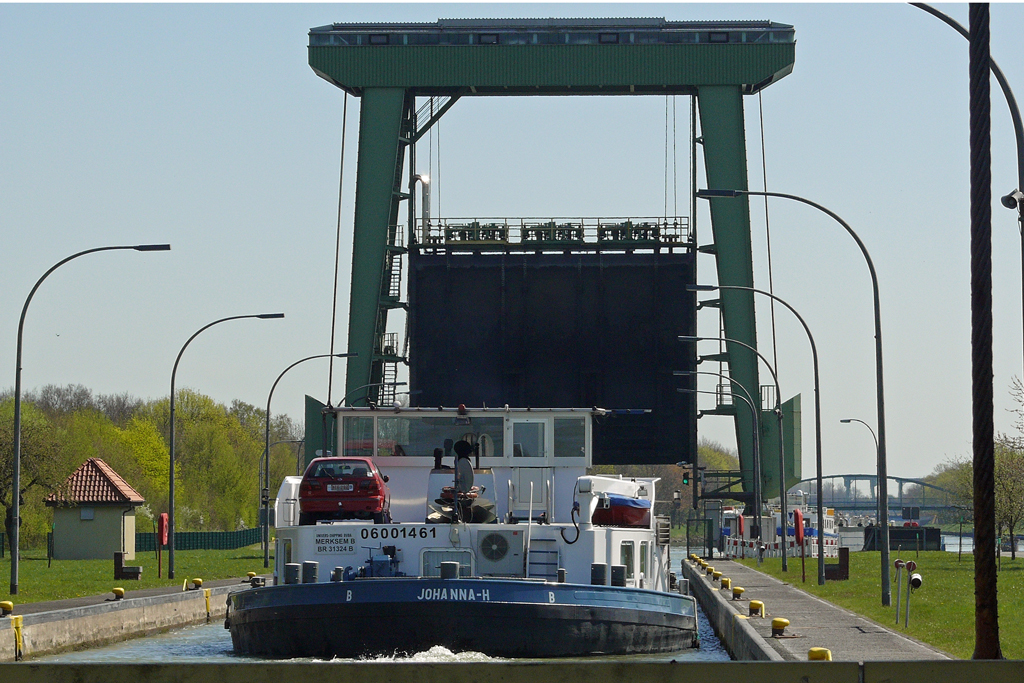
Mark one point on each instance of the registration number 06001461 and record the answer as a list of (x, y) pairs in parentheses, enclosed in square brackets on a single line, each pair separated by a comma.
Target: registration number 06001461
[(339, 488)]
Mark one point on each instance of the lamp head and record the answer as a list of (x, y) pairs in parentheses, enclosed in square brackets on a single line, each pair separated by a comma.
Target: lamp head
[(152, 247), (266, 316), (709, 194), (846, 420), (701, 288), (1012, 200)]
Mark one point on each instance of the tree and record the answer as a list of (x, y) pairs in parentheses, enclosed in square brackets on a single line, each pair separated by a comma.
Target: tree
[(1009, 487), (42, 463)]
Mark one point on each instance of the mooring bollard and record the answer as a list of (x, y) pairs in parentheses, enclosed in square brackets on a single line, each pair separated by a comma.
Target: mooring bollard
[(819, 654), (779, 626), (737, 592), (756, 608), (726, 583)]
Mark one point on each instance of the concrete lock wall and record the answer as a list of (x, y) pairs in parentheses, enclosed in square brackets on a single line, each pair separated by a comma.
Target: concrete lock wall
[(518, 672), (70, 629), (740, 639)]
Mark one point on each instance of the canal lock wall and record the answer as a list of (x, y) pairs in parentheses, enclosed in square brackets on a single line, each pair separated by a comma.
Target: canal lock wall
[(740, 639), (46, 633)]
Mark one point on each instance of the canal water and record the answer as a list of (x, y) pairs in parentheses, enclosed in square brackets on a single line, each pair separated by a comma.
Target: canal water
[(212, 643)]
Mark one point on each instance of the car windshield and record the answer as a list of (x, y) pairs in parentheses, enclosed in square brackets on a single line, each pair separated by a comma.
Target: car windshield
[(341, 469)]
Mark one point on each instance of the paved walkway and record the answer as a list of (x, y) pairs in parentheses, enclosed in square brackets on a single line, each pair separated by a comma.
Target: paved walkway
[(816, 623)]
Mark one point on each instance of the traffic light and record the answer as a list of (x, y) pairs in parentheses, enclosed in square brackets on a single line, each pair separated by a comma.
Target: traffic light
[(686, 479)]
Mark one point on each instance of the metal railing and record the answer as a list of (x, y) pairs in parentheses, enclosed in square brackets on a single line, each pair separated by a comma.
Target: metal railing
[(558, 231)]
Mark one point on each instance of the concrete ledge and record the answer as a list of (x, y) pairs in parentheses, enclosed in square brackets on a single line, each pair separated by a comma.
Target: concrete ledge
[(47, 633), (462, 672), (741, 641)]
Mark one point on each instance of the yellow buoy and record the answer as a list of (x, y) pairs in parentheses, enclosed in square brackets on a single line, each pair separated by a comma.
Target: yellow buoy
[(756, 609), (726, 582), (6, 607), (737, 592), (118, 593), (819, 654), (779, 625)]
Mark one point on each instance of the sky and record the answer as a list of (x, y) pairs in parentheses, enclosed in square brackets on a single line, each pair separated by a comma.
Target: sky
[(203, 126)]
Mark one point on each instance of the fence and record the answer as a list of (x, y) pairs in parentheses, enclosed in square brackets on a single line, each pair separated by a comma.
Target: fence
[(201, 540)]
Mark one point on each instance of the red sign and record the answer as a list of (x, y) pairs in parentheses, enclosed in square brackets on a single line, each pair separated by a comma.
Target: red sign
[(899, 564), (911, 566), (161, 529)]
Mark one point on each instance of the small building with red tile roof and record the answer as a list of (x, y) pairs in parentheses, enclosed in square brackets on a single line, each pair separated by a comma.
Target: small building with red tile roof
[(94, 514)]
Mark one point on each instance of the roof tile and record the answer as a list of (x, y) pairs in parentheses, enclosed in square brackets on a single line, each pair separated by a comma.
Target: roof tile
[(95, 482)]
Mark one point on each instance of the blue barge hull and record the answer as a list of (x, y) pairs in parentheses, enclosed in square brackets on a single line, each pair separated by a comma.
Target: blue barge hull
[(498, 617)]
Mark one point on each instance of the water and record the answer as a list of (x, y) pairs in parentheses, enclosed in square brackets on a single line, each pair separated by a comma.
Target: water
[(951, 543), (212, 643)]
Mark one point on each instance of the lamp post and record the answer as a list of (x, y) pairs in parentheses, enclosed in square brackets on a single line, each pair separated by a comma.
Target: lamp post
[(1015, 199), (848, 420), (757, 447), (817, 404), (757, 462), (778, 406), (265, 488), (883, 492), (16, 475), (174, 371)]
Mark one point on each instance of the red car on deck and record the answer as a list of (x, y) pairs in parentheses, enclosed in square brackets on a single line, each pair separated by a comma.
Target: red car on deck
[(343, 488)]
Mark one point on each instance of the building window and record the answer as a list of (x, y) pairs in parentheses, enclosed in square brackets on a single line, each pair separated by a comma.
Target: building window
[(379, 39), (488, 38), (608, 38), (86, 514)]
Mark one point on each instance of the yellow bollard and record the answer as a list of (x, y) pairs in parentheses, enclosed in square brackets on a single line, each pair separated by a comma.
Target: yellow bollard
[(206, 592), (18, 640), (737, 592), (726, 583), (6, 607), (819, 654), (779, 625), (715, 576), (756, 608), (197, 584), (251, 575), (709, 569), (118, 593)]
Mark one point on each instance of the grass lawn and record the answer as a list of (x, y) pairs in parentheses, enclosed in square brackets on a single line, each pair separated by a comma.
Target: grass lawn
[(941, 612), (79, 578)]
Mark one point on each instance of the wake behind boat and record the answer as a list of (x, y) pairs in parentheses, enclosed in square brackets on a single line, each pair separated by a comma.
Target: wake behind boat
[(530, 557)]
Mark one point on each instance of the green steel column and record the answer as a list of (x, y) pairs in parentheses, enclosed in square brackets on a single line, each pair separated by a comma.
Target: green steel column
[(380, 122), (725, 161)]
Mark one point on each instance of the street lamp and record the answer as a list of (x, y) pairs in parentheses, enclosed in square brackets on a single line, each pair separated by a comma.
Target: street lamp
[(265, 488), (16, 478), (778, 407), (174, 371), (757, 447), (1015, 199), (883, 492), (757, 462), (817, 403), (848, 420)]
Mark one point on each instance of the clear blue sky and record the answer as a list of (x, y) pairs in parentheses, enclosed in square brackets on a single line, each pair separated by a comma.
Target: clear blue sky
[(203, 126)]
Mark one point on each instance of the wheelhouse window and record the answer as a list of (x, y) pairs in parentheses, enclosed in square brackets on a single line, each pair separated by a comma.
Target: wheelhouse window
[(626, 557), (358, 433), (528, 440), (570, 437), (644, 548)]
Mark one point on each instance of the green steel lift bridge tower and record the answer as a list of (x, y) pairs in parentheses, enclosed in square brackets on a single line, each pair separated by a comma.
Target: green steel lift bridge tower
[(389, 65)]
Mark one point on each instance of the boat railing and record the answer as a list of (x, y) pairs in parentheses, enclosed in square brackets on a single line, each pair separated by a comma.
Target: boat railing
[(529, 528)]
